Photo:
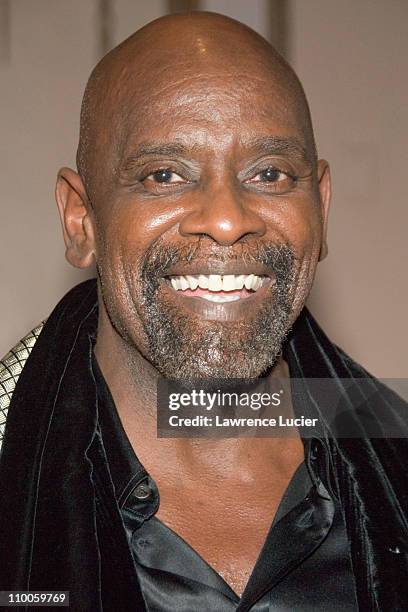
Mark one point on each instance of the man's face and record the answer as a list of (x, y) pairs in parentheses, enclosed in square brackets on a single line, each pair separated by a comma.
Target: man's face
[(209, 223)]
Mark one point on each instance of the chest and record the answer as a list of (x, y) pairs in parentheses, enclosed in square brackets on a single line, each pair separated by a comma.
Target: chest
[(226, 525)]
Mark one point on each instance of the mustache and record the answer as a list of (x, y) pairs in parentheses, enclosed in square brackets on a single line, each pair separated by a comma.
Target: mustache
[(161, 256)]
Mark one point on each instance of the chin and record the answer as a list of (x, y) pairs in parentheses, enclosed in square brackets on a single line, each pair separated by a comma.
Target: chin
[(219, 355)]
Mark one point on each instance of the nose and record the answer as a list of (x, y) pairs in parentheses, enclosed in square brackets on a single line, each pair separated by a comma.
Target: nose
[(223, 215)]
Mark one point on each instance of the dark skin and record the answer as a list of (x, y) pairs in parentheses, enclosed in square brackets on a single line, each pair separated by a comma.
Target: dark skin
[(234, 109)]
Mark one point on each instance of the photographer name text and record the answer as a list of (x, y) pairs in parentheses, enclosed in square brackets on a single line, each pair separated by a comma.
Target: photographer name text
[(217, 421)]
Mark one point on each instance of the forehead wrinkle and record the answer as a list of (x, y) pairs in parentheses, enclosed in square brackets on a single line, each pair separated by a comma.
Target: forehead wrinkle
[(202, 107), (265, 144), (199, 141), (204, 86)]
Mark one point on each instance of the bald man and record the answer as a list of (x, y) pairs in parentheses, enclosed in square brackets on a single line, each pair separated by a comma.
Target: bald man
[(200, 198)]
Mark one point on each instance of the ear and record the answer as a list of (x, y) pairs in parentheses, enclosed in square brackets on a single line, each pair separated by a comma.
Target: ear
[(324, 184), (76, 218)]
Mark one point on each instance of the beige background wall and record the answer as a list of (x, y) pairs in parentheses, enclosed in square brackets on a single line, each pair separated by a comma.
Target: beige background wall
[(53, 46), (352, 59)]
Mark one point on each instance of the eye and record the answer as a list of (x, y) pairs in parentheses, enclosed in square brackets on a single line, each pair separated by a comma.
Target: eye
[(164, 176), (272, 180), (271, 175)]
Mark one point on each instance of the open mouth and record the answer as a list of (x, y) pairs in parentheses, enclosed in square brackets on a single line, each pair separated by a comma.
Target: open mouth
[(218, 288)]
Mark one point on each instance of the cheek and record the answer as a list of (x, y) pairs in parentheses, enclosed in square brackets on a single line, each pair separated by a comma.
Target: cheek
[(118, 260), (297, 222), (122, 239), (133, 225), (305, 231), (128, 230)]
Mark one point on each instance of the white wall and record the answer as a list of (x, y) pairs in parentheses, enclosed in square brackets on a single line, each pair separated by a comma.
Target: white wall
[(352, 58), (253, 13), (51, 52), (53, 46)]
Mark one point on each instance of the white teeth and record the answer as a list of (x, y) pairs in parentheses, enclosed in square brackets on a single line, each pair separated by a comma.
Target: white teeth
[(239, 281), (184, 283), (203, 281), (215, 282), (257, 284), (228, 282), (215, 297), (248, 281), (218, 282), (192, 281)]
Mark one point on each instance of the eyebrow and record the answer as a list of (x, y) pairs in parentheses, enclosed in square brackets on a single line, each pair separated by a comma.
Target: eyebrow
[(147, 149), (280, 145), (269, 145), (167, 149)]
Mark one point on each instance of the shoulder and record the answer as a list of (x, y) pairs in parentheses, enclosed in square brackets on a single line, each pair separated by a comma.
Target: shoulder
[(11, 367)]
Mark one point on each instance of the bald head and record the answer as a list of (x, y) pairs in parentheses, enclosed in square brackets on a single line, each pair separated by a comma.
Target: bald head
[(178, 51)]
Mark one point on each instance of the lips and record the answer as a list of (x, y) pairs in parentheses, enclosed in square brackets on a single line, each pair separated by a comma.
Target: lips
[(220, 288)]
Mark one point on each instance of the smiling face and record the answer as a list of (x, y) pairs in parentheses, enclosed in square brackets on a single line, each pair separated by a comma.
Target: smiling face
[(207, 205)]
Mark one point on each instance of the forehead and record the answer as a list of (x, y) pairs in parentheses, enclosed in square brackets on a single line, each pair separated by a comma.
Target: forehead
[(208, 103)]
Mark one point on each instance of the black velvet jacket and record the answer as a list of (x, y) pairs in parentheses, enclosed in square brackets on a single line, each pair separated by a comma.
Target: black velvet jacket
[(49, 533)]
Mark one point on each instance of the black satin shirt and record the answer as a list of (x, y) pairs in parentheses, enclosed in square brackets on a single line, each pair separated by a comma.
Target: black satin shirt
[(304, 565)]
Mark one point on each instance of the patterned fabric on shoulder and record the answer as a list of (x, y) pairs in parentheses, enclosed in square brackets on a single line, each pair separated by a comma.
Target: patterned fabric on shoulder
[(11, 367)]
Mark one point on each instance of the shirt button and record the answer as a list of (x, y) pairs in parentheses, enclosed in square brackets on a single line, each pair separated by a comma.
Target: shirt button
[(314, 450), (142, 490)]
